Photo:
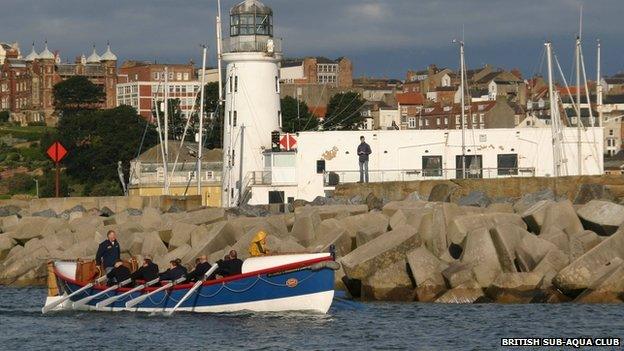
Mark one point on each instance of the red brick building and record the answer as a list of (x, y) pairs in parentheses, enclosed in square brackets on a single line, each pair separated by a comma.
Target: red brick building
[(318, 70), (26, 85), (142, 82)]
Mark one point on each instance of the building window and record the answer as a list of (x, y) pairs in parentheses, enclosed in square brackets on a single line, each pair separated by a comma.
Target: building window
[(507, 164), (481, 116), (446, 121), (426, 122), (611, 132), (432, 166), (457, 120), (235, 84), (411, 122), (179, 76), (235, 118), (474, 118), (186, 76), (437, 121)]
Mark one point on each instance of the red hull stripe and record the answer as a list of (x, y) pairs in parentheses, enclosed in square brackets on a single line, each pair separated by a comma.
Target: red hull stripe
[(285, 267)]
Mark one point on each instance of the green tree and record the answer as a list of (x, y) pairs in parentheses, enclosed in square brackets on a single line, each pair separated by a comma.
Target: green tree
[(20, 183), (4, 116), (47, 184), (97, 140), (344, 111), (76, 94), (295, 120)]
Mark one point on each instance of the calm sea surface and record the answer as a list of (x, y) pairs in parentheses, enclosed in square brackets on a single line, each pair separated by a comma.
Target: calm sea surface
[(348, 326)]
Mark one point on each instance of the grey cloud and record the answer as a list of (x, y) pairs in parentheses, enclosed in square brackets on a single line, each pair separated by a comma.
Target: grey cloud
[(384, 37)]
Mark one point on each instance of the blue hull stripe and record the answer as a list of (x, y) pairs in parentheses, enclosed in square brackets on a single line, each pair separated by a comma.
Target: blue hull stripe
[(249, 289)]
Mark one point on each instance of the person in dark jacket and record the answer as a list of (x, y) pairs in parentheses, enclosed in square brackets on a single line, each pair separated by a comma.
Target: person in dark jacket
[(235, 264), (147, 272), (118, 274), (108, 252), (175, 271), (200, 270), (363, 151), (230, 265)]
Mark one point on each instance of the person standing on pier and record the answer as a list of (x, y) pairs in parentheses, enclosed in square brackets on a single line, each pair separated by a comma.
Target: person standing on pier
[(108, 252), (363, 151)]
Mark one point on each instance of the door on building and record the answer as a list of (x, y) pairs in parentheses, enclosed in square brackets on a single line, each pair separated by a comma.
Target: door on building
[(276, 197), (474, 166)]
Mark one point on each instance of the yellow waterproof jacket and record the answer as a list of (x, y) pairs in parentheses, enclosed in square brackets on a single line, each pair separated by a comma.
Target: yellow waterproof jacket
[(258, 246)]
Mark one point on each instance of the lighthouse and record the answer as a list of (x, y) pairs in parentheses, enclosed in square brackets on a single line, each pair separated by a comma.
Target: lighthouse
[(252, 97)]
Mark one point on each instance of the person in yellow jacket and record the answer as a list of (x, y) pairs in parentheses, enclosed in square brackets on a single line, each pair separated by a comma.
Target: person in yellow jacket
[(258, 246)]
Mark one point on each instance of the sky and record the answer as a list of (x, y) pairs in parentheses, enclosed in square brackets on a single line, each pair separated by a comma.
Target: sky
[(384, 38)]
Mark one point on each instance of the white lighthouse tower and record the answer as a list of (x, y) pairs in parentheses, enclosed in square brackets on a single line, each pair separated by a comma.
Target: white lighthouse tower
[(252, 100)]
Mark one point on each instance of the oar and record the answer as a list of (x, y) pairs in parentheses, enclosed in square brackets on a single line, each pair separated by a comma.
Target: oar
[(100, 305), (142, 298), (89, 298), (190, 292), (53, 305)]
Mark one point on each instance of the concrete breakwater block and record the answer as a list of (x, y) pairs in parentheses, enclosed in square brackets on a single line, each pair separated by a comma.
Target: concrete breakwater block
[(391, 283), (518, 287), (579, 274), (602, 217), (469, 292), (382, 251), (608, 287)]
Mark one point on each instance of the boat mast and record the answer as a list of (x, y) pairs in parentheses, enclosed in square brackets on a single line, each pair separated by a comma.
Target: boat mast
[(166, 126), (201, 122), (578, 95), (599, 87), (225, 195), (463, 112), (554, 111)]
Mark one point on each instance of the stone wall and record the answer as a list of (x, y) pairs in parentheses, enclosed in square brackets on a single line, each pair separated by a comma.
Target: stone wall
[(114, 203), (495, 188)]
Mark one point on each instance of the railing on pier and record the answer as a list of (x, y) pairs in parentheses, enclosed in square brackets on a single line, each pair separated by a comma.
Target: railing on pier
[(333, 178)]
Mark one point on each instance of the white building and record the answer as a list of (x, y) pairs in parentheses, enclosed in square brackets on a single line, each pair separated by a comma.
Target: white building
[(252, 100), (141, 95), (324, 159)]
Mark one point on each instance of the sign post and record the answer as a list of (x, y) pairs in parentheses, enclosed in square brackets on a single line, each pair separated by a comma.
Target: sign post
[(57, 152)]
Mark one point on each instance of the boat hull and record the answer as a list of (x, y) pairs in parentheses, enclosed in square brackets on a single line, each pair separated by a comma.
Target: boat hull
[(300, 286)]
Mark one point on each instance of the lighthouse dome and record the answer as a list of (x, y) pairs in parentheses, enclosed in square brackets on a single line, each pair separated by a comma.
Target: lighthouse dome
[(251, 17)]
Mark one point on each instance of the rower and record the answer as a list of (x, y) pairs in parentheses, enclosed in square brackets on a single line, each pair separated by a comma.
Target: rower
[(118, 274), (108, 252), (175, 271), (147, 272), (258, 246), (201, 268), (233, 265)]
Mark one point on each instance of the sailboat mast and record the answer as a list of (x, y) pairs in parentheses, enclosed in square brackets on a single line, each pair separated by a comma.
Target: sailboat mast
[(578, 105), (166, 126), (554, 115), (462, 89), (201, 123), (225, 195), (599, 86)]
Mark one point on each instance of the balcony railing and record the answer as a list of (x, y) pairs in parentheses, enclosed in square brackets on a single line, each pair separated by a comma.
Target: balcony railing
[(252, 44), (333, 178), (180, 178)]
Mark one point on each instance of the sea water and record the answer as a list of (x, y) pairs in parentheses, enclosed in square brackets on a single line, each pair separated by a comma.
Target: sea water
[(349, 325)]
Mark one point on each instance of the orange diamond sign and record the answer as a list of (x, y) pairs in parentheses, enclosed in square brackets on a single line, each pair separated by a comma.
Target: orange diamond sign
[(57, 151)]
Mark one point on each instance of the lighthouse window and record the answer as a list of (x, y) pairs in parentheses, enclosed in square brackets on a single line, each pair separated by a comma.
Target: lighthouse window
[(235, 117), (230, 84), (235, 84), (279, 118), (277, 84), (230, 117)]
